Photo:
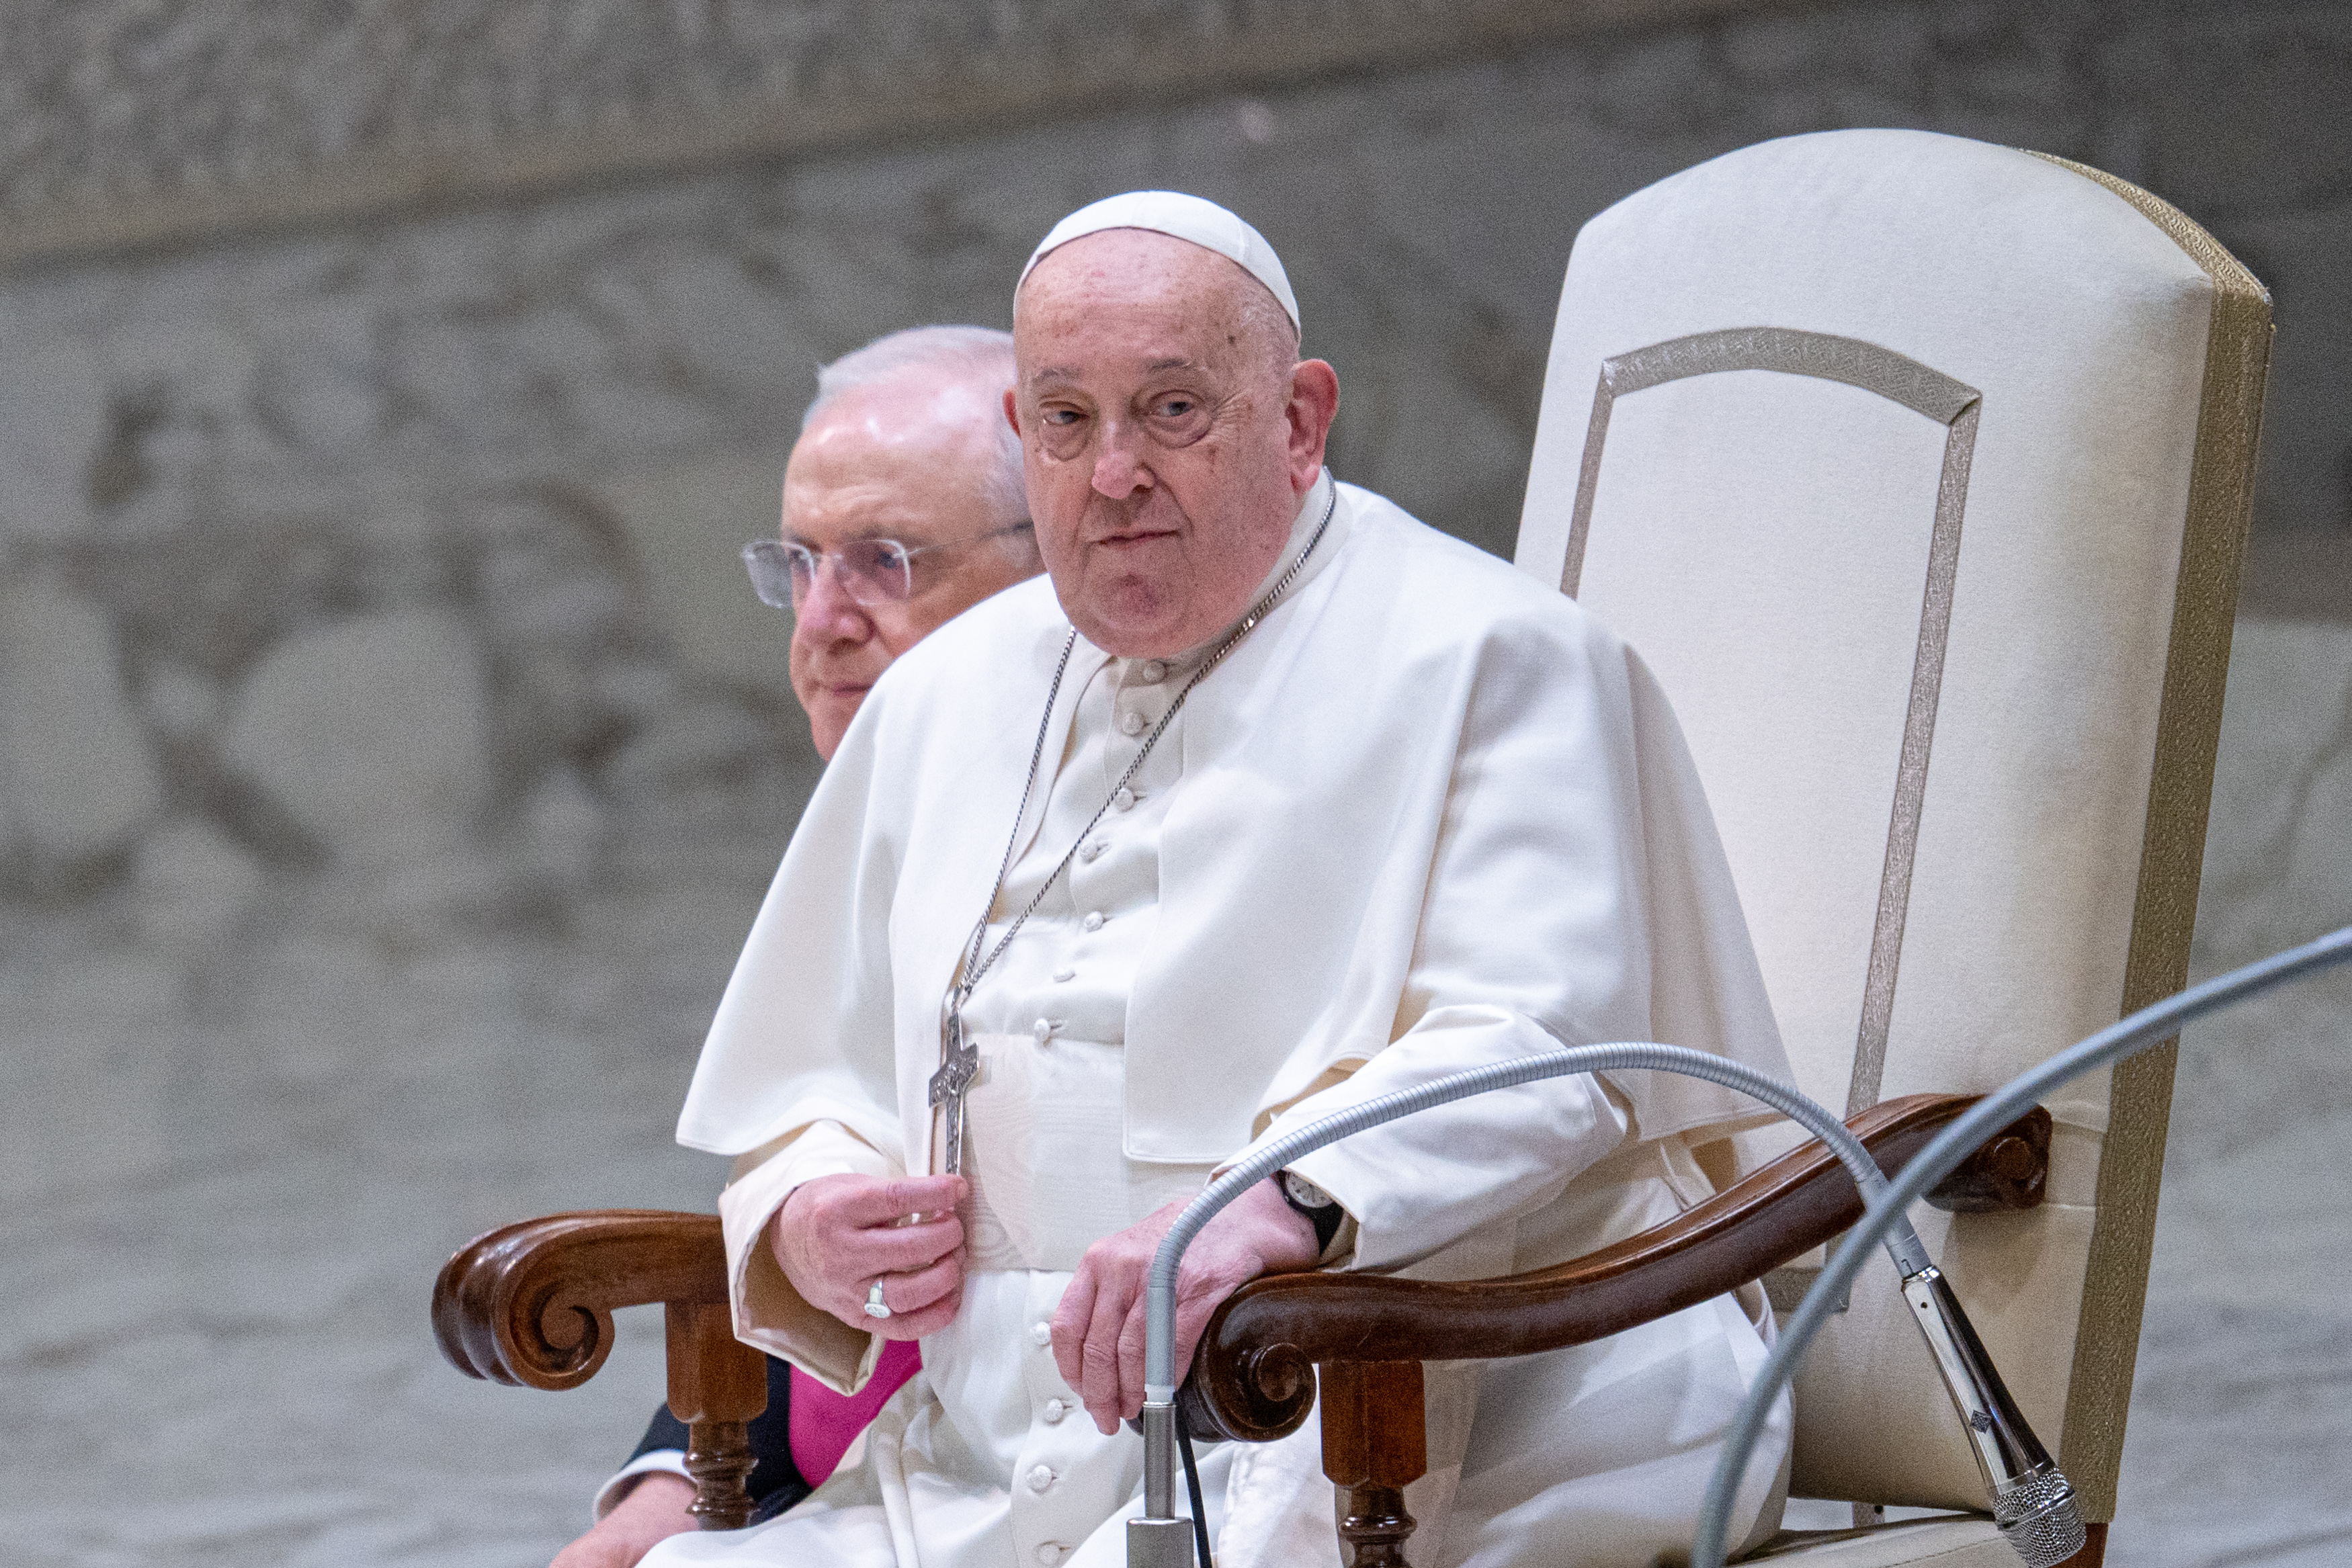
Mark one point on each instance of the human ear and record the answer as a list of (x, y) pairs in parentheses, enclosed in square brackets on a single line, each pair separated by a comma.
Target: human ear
[(1012, 411), (1314, 404)]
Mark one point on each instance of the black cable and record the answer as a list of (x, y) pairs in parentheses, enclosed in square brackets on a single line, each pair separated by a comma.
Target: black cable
[(1193, 1482)]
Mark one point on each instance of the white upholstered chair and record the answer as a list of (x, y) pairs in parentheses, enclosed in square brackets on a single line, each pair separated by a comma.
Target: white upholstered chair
[(1917, 470)]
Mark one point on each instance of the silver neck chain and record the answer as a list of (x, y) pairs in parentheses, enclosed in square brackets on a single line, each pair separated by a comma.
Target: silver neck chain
[(972, 968)]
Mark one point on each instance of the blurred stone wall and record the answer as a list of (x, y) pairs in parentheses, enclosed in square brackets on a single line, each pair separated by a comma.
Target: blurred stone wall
[(400, 536), (391, 752)]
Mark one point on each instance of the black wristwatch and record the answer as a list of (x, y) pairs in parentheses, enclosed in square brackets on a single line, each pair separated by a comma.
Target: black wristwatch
[(1322, 1209)]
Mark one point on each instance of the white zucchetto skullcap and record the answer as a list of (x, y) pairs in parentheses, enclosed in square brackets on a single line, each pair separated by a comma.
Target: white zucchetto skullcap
[(1174, 212)]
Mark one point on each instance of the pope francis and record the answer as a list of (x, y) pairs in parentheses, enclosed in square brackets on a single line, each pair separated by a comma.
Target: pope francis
[(1266, 799)]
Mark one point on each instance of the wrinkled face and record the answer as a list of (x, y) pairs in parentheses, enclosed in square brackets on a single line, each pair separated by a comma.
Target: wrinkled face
[(903, 459), (1167, 432)]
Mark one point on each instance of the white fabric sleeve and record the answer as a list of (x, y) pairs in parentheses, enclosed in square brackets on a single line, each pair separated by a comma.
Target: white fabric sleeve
[(659, 1461), (1414, 1186), (769, 1313), (1532, 932)]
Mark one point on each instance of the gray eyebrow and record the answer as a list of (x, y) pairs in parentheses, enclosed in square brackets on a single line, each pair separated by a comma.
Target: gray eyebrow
[(1066, 373)]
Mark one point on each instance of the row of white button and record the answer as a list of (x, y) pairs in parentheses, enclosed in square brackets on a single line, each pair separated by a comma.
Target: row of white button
[(1094, 848), (1151, 672), (1041, 1478)]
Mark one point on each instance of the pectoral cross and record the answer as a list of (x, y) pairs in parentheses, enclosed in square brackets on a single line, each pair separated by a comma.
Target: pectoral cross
[(959, 1071)]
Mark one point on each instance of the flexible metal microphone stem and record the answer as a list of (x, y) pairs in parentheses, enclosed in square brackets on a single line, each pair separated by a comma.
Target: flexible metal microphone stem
[(1160, 1540), (2031, 1510)]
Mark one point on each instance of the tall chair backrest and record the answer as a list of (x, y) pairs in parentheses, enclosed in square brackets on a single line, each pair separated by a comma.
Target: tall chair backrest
[(1917, 470)]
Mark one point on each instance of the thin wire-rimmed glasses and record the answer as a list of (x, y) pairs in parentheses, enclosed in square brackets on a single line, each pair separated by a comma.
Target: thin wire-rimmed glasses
[(871, 571)]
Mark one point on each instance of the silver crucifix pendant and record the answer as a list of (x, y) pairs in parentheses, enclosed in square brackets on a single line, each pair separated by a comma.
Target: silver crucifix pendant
[(958, 1069)]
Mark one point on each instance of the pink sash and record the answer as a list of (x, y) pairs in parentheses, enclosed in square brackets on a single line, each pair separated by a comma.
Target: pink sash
[(823, 1424)]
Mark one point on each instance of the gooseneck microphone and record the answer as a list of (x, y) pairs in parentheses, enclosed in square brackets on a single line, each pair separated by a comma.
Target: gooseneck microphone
[(2033, 1503), (2034, 1510)]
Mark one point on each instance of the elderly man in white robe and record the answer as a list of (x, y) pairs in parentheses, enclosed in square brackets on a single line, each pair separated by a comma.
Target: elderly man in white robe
[(1267, 799)]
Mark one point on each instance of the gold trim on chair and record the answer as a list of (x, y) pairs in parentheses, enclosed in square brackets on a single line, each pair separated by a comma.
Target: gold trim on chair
[(1951, 403), (2181, 788)]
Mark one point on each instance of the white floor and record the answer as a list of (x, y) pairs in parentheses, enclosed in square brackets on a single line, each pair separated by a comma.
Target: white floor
[(232, 1160)]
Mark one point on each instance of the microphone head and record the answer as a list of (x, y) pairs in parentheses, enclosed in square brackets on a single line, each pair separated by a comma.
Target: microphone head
[(2036, 1515)]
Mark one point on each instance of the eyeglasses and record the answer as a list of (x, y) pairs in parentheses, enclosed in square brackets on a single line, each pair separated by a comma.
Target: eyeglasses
[(871, 571)]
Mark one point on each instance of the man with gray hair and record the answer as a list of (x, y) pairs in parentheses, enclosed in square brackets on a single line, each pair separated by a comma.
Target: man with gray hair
[(903, 507), (1271, 801), (903, 446)]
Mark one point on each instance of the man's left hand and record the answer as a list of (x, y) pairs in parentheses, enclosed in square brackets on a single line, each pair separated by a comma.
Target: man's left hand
[(654, 1510), (1099, 1328)]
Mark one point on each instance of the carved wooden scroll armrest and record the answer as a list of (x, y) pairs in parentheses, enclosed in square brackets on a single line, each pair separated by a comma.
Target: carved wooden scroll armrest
[(531, 1305), (1250, 1376)]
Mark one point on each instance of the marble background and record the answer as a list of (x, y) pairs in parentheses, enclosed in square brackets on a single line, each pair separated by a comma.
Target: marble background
[(390, 753)]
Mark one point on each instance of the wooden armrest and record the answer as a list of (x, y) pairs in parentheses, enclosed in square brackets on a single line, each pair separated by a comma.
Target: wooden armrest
[(1250, 1377), (531, 1305), (2007, 1171)]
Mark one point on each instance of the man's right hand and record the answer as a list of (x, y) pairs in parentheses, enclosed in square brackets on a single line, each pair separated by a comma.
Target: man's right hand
[(839, 1234)]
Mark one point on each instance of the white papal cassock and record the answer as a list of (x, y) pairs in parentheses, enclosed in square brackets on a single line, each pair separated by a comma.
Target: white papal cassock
[(1428, 815)]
